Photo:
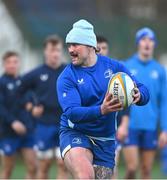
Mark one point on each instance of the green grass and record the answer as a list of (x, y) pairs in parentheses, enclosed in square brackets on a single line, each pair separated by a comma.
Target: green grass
[(19, 171)]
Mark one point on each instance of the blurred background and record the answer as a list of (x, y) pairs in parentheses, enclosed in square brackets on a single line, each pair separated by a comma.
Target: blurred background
[(25, 24)]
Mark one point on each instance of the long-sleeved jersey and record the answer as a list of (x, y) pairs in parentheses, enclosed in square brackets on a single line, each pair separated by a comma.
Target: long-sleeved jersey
[(81, 91), (42, 81), (11, 107), (152, 74)]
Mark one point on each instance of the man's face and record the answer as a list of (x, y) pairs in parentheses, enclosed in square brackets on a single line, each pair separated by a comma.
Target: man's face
[(12, 65), (146, 46), (79, 53), (104, 49), (53, 53)]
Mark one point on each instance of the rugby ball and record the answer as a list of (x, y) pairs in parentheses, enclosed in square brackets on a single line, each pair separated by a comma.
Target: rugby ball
[(122, 87)]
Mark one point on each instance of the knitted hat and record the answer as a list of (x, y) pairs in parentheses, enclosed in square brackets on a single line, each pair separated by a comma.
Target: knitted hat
[(145, 32), (82, 33)]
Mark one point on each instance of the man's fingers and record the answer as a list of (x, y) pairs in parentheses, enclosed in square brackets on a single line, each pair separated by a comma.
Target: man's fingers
[(136, 100), (114, 101), (117, 107), (108, 97), (136, 95)]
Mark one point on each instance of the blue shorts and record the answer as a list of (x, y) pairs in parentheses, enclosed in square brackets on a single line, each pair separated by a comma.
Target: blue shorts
[(46, 136), (10, 145), (144, 139), (103, 151)]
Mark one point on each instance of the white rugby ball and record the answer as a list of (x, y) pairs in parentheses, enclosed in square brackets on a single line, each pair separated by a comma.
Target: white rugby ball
[(122, 87)]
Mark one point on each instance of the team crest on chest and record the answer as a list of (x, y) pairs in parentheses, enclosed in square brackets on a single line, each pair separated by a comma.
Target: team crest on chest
[(44, 77), (10, 86), (154, 74), (18, 82), (133, 72), (108, 73)]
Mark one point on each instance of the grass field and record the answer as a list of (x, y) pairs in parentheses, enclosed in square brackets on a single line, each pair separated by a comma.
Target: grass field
[(19, 171)]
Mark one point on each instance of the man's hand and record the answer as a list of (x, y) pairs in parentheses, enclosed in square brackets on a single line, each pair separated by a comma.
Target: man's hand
[(37, 111), (162, 139), (18, 127), (29, 106), (110, 104), (136, 95)]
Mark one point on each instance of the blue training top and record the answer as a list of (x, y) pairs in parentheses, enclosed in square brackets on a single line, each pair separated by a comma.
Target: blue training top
[(153, 75), (81, 91)]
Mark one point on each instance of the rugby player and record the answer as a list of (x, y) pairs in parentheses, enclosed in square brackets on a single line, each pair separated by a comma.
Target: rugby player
[(46, 110), (87, 132), (141, 143), (16, 124)]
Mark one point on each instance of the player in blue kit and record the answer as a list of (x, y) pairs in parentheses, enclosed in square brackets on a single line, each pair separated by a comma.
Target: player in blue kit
[(144, 120), (87, 133), (122, 117), (46, 110), (16, 125)]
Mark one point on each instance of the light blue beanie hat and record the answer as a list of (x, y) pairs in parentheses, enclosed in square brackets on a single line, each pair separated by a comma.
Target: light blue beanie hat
[(145, 32), (82, 33)]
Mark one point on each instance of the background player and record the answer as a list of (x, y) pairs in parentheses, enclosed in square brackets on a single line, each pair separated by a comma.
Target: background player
[(16, 130), (123, 116), (87, 135), (143, 120), (46, 110)]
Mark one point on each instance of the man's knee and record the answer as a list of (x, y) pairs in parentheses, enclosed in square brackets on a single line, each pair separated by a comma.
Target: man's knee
[(60, 164), (31, 167), (131, 171), (88, 174), (44, 165), (130, 174)]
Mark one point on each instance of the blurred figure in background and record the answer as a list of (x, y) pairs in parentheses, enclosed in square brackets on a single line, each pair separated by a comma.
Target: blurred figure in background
[(123, 116), (142, 137), (46, 110), (102, 45), (16, 129)]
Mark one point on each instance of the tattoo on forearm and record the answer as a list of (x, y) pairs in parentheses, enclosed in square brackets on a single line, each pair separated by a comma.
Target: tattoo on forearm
[(102, 172)]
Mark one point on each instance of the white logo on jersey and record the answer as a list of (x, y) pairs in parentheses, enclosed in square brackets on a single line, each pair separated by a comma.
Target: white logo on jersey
[(108, 73), (7, 147), (133, 72), (154, 74), (10, 86), (18, 82), (44, 77), (64, 94), (81, 81), (76, 140)]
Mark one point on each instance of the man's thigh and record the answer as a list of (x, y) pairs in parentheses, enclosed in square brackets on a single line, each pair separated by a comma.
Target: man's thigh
[(131, 156), (102, 153), (29, 157), (79, 161)]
